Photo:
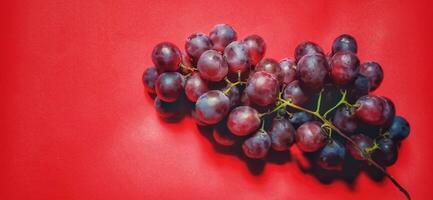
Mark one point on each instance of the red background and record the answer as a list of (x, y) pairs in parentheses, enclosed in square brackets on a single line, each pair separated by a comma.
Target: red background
[(75, 123)]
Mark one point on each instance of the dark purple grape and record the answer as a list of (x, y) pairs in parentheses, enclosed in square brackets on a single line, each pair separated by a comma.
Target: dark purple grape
[(262, 88), (234, 95), (388, 113), (222, 135), (243, 120), (294, 93), (269, 65), (363, 142), (373, 71), (345, 120), (307, 48), (256, 47), (310, 136), (344, 42), (344, 67), (221, 35), (399, 129), (299, 118), (236, 55), (195, 86), (149, 79), (196, 44), (257, 146), (370, 110), (166, 57), (282, 134), (359, 88), (212, 107), (288, 71), (169, 86), (168, 110), (331, 157), (312, 70), (387, 153), (212, 66)]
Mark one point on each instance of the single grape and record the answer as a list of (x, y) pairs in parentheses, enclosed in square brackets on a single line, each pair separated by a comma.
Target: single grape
[(234, 95), (299, 118), (196, 44), (149, 79), (373, 71), (282, 134), (243, 120), (288, 71), (212, 66), (169, 110), (223, 136), (212, 107), (344, 42), (169, 86), (363, 142), (166, 57), (221, 35), (345, 120), (312, 70), (257, 146), (310, 136), (269, 65), (370, 110), (294, 93), (388, 113), (262, 88), (344, 67), (387, 152), (399, 129), (256, 47), (331, 157), (236, 55), (195, 86), (307, 48)]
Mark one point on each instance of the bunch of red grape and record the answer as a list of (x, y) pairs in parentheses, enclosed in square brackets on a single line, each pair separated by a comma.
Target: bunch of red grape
[(320, 102)]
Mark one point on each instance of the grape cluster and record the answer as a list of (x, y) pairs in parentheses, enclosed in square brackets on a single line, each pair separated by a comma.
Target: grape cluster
[(321, 102)]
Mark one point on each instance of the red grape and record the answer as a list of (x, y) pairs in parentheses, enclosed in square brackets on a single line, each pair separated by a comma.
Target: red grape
[(307, 48), (243, 120), (294, 92), (221, 35), (257, 146), (374, 73), (363, 142), (196, 44), (236, 55), (269, 65), (195, 86), (212, 107), (288, 70), (166, 57), (262, 88), (344, 67), (212, 66), (310, 137), (282, 134), (256, 47), (169, 86), (344, 42), (370, 110), (312, 71)]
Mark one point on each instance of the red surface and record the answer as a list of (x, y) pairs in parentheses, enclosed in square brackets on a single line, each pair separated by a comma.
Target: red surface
[(75, 123)]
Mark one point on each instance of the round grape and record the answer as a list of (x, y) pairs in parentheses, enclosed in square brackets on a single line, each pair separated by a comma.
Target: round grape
[(243, 120), (212, 107), (262, 88), (257, 146), (399, 129), (166, 57), (344, 42), (221, 35), (294, 93), (236, 55), (282, 134), (345, 120), (269, 65), (307, 48), (344, 67), (149, 79), (195, 86), (374, 73), (387, 152), (169, 86), (256, 47), (331, 157), (370, 110), (310, 137), (312, 71), (212, 66), (196, 44)]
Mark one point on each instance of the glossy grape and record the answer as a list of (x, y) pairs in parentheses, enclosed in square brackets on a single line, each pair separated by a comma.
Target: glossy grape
[(196, 44), (257, 146), (236, 55), (363, 142), (310, 137), (256, 47), (262, 88), (344, 67), (221, 35), (312, 70), (269, 65), (370, 110), (195, 86), (243, 120), (345, 120), (294, 93), (212, 66), (166, 57), (282, 134), (288, 71), (169, 86), (212, 107), (387, 152), (344, 42), (331, 157), (373, 71), (307, 48), (399, 129), (149, 79)]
